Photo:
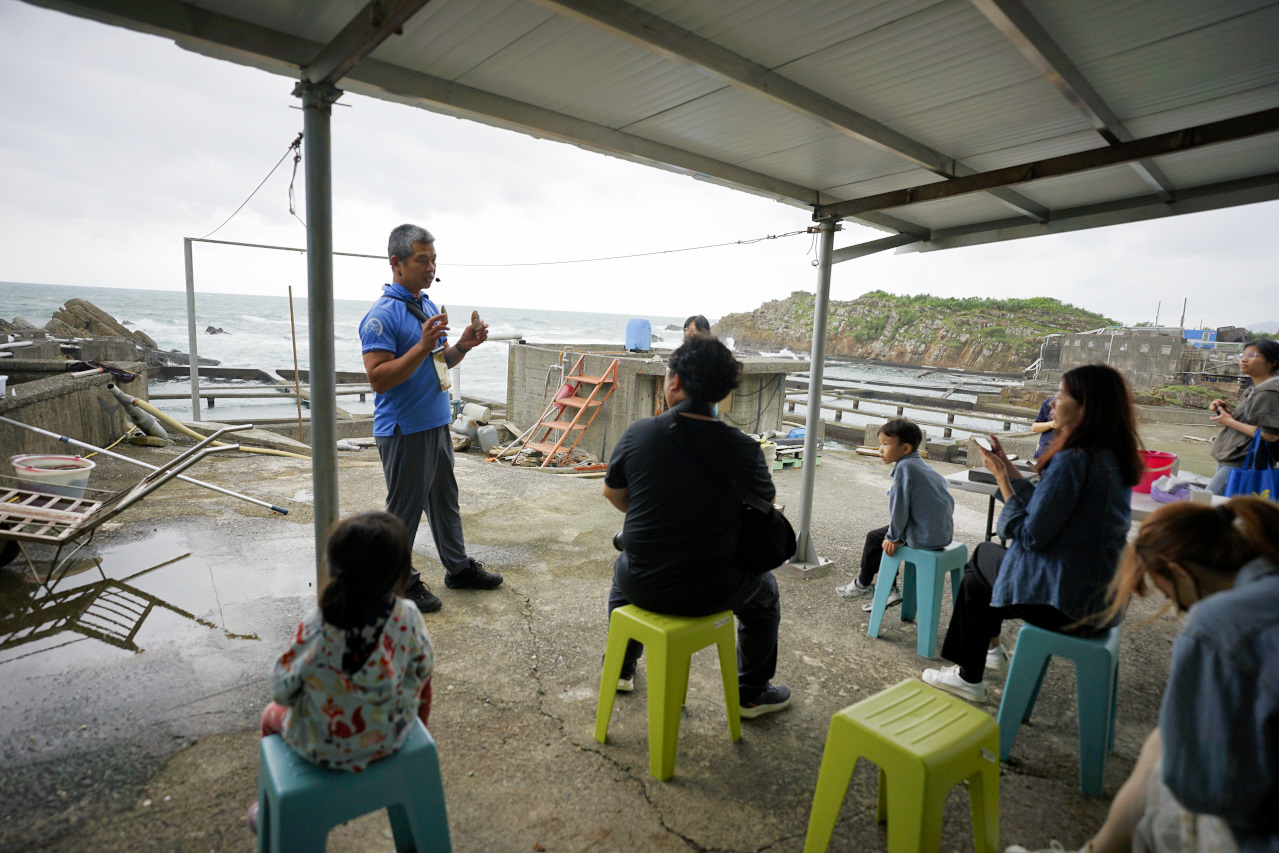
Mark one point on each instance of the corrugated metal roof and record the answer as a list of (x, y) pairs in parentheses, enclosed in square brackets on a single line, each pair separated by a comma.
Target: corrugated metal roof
[(814, 101)]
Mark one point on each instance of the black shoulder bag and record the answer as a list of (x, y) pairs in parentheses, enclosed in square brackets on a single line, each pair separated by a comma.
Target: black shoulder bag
[(766, 539)]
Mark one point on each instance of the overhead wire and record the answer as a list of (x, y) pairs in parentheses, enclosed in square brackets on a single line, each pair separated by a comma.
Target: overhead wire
[(296, 146), (640, 254)]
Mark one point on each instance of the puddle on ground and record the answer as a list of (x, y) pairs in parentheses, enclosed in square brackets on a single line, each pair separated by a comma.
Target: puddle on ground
[(189, 587)]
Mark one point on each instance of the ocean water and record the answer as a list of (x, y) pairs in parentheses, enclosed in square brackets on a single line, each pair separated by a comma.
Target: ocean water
[(259, 335)]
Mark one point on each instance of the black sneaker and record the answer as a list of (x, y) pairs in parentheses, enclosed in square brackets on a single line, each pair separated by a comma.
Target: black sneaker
[(473, 577), (426, 601), (770, 700)]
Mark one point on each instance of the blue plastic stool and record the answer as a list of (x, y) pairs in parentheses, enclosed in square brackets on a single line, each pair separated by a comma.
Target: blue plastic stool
[(1096, 687), (299, 802), (924, 584)]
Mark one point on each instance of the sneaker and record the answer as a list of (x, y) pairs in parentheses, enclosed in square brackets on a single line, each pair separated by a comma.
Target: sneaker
[(997, 659), (770, 700), (951, 681), (626, 685), (473, 577), (251, 818), (894, 598), (426, 601), (1054, 846), (854, 590)]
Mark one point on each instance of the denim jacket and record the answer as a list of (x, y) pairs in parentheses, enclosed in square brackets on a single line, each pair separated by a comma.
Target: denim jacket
[(1065, 534), (1220, 714), (920, 508)]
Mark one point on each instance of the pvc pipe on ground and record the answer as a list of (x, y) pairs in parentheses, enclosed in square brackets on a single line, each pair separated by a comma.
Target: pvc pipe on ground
[(187, 431)]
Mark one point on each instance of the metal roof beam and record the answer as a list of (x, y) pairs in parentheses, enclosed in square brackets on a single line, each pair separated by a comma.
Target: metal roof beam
[(861, 250), (372, 25), (1213, 133), (660, 36), (1025, 33), (1196, 200)]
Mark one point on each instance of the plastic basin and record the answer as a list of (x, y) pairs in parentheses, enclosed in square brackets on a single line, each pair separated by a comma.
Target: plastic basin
[(55, 475)]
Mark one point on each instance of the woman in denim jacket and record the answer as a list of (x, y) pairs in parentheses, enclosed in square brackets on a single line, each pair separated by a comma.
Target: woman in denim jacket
[(1208, 777), (1064, 535)]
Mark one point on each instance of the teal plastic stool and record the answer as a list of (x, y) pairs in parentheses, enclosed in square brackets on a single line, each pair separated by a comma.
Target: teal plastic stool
[(1096, 687), (299, 802), (922, 581)]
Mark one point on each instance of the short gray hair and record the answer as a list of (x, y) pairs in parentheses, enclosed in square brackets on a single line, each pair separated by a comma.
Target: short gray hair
[(402, 239)]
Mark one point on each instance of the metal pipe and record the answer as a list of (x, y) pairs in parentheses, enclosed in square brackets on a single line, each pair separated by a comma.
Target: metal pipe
[(805, 554), (317, 103), (67, 440), (191, 345)]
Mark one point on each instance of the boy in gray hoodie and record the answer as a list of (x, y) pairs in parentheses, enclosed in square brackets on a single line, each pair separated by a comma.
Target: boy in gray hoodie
[(919, 508)]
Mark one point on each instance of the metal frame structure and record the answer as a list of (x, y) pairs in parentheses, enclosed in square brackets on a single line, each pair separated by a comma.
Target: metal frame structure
[(821, 104)]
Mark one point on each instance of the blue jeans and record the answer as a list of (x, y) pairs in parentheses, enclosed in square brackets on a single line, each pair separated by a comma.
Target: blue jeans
[(1217, 485)]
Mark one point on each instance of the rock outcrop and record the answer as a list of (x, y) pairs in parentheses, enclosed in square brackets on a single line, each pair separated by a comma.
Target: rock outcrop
[(85, 319), (973, 334)]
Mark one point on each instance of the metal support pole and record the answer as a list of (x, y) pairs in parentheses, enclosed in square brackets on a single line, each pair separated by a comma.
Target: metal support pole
[(317, 103), (806, 559), (195, 356)]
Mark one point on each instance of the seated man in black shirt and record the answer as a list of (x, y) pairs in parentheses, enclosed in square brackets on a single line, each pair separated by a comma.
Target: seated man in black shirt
[(681, 525)]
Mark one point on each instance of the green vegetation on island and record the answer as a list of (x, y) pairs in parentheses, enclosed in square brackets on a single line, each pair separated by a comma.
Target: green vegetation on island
[(970, 332)]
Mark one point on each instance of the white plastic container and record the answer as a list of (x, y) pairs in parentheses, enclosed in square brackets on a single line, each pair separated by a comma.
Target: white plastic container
[(55, 475), (488, 438), (479, 414)]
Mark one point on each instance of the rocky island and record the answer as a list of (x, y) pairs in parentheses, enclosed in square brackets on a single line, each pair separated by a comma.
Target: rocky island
[(996, 335)]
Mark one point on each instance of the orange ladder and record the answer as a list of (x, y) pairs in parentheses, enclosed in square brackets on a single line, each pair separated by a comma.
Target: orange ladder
[(555, 429)]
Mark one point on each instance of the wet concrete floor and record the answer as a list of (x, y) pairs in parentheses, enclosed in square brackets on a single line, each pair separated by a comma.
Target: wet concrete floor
[(129, 697)]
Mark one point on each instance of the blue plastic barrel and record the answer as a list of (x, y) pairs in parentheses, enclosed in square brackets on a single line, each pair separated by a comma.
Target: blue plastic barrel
[(639, 335), (797, 432)]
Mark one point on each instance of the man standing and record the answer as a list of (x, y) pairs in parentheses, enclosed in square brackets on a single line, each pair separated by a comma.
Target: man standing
[(411, 413), (668, 474)]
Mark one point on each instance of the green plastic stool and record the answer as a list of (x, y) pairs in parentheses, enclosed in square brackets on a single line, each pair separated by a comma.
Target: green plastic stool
[(669, 643), (925, 742)]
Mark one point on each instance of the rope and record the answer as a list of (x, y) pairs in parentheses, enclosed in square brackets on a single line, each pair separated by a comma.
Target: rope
[(296, 145)]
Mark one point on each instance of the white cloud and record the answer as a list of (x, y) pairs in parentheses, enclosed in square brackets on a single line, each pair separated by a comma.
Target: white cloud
[(117, 145)]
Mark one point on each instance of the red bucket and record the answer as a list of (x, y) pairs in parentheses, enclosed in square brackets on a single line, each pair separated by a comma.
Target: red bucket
[(1158, 463)]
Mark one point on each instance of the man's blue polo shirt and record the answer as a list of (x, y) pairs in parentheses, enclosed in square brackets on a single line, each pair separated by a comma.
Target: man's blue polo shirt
[(416, 404)]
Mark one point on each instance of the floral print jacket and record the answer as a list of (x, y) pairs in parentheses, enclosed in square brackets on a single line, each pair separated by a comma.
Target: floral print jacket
[(345, 721)]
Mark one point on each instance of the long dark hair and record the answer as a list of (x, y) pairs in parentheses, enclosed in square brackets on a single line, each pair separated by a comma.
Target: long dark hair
[(1208, 542), (368, 559), (1106, 419)]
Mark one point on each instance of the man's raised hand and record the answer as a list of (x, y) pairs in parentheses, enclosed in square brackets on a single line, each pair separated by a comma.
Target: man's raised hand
[(433, 329)]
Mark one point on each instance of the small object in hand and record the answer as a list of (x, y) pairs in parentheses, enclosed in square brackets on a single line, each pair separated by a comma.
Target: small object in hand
[(476, 323), (983, 443)]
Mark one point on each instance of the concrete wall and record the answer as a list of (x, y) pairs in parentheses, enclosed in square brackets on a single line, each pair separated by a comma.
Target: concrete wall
[(79, 408), (1147, 361), (754, 407)]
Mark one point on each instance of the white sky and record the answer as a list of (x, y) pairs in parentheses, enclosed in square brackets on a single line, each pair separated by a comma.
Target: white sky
[(116, 145)]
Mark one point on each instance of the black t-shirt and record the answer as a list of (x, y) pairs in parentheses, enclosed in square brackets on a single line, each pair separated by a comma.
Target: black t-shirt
[(681, 525)]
